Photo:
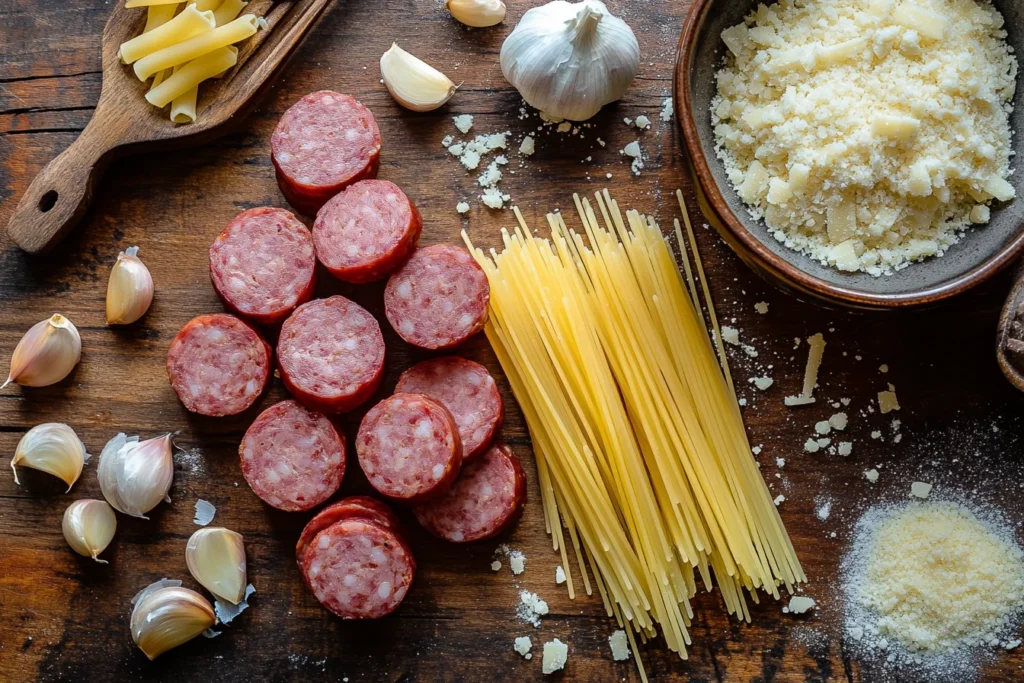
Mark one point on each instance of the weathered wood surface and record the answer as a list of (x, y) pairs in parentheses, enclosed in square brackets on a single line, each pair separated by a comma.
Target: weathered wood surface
[(66, 618)]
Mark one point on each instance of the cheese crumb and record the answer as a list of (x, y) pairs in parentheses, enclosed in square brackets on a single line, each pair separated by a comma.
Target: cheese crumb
[(528, 146), (493, 198), (470, 158), (462, 207), (811, 446), (531, 608), (779, 500), (666, 109), (761, 307), (447, 140), (633, 151), (762, 383), (643, 122), (871, 475), (845, 448), (799, 604), (555, 654), (920, 489), (839, 421), (559, 575), (730, 335), (523, 645), (619, 645), (564, 127), (887, 400), (463, 122), (517, 561), (496, 566), (823, 427)]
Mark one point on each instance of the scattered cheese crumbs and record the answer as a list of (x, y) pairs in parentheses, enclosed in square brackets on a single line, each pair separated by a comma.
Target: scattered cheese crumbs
[(633, 151), (762, 383), (564, 127), (887, 400), (447, 140), (799, 604), (730, 335), (463, 122), (491, 176), (470, 158), (555, 654), (823, 427), (823, 442), (620, 646), (204, 512), (814, 354), (883, 368), (517, 562), (845, 448), (876, 434), (780, 462), (798, 400), (628, 121), (666, 109), (643, 122), (559, 575), (226, 612), (839, 421), (779, 500), (456, 149), (528, 146), (601, 142), (493, 198), (531, 608), (824, 511), (462, 207), (523, 645), (920, 489), (811, 446), (761, 307), (496, 566), (871, 475)]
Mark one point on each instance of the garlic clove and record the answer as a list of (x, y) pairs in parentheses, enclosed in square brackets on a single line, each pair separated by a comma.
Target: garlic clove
[(216, 558), (53, 448), (129, 289), (47, 353), (166, 616), (412, 82), (477, 13), (136, 475), (89, 526)]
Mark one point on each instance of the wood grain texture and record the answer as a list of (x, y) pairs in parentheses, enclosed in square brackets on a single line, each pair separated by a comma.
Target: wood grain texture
[(65, 618)]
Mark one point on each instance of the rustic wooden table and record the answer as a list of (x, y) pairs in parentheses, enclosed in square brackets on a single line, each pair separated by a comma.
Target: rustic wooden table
[(66, 618)]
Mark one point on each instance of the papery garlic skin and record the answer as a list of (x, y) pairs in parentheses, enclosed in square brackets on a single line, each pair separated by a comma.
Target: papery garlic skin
[(412, 82), (166, 616), (136, 475), (129, 289), (89, 526), (570, 59), (47, 353), (54, 448), (477, 13), (216, 558)]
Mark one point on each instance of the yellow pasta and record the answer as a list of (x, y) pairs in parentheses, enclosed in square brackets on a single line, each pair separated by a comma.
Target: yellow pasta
[(189, 23), (149, 3), (205, 5), (191, 75), (228, 10), (158, 15), (196, 46)]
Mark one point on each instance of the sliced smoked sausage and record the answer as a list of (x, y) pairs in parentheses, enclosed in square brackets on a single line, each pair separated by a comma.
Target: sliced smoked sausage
[(262, 265), (218, 365), (324, 142), (366, 231), (354, 507)]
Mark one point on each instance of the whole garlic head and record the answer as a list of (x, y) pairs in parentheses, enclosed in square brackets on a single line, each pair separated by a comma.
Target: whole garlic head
[(570, 59)]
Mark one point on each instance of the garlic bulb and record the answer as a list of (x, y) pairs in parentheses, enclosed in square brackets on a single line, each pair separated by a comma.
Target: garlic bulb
[(167, 615), (53, 448), (89, 526), (46, 354), (216, 558), (136, 475), (412, 82), (477, 13), (569, 60), (129, 289)]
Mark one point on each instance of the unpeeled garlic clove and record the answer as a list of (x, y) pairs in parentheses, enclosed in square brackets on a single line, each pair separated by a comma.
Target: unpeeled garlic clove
[(47, 353), (129, 289), (477, 13), (412, 82), (53, 448), (166, 616), (216, 558), (89, 526), (136, 475)]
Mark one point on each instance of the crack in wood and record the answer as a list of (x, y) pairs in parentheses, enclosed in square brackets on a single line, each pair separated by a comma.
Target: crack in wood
[(20, 79)]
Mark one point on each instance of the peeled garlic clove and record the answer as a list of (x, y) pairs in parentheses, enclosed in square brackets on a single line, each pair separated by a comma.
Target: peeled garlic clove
[(477, 13), (129, 289), (136, 475), (412, 82), (46, 354), (166, 616), (216, 558), (53, 448), (89, 526), (570, 59)]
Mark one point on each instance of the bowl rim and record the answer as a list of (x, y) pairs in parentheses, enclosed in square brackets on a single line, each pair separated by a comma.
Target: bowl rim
[(743, 240)]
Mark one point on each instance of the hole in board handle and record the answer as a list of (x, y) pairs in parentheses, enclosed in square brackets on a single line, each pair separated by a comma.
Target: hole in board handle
[(48, 200)]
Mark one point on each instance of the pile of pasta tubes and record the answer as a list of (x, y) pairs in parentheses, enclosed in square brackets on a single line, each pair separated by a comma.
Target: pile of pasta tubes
[(183, 45), (641, 451)]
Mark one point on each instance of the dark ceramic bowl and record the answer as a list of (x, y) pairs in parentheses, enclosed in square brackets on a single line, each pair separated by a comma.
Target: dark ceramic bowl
[(978, 256)]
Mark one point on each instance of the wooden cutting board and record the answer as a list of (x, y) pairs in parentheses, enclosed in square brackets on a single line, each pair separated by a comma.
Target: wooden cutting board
[(66, 618)]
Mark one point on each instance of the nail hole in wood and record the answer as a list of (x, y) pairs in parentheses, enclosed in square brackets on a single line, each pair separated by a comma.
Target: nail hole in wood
[(47, 201)]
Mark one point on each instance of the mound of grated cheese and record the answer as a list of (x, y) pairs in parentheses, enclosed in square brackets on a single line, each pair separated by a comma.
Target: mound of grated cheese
[(867, 134)]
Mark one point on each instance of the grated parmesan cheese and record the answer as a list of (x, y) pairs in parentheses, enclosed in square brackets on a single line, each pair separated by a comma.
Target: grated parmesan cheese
[(666, 109), (871, 475), (523, 645), (887, 400), (463, 122), (559, 575), (528, 146), (555, 655), (619, 645), (462, 207), (866, 134)]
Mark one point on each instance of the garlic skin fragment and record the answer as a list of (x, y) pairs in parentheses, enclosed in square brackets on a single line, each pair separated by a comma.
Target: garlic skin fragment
[(166, 616), (47, 353), (54, 448), (216, 558), (89, 526), (129, 289), (412, 82), (477, 13), (136, 475), (570, 59)]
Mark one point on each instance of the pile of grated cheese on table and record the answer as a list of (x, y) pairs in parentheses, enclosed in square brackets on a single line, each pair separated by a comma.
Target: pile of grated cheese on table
[(868, 134)]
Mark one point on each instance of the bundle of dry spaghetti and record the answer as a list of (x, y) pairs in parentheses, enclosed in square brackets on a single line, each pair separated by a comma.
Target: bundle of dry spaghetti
[(640, 447)]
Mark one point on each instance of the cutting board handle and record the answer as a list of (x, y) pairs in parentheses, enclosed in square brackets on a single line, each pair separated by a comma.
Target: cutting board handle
[(60, 195)]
